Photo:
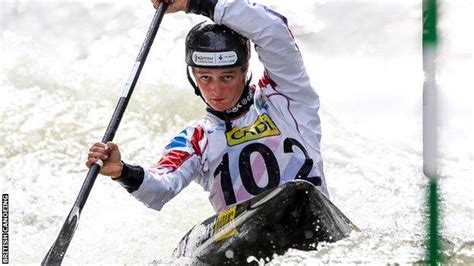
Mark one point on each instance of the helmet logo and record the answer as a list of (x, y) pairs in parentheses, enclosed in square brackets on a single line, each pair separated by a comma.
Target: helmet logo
[(215, 59)]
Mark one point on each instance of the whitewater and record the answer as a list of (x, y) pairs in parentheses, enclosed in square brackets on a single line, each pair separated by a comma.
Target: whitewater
[(63, 68)]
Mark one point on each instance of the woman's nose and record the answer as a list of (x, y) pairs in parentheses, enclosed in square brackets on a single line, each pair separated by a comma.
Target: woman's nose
[(216, 87)]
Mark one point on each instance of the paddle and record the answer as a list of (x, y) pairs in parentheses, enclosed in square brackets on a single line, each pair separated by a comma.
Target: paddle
[(58, 250)]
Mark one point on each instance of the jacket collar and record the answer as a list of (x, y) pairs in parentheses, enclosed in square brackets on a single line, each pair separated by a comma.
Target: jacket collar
[(242, 106)]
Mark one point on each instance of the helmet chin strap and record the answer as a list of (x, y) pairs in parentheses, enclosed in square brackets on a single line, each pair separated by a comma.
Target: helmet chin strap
[(191, 81)]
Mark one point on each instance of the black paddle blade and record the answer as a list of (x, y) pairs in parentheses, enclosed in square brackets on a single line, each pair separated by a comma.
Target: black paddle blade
[(58, 250)]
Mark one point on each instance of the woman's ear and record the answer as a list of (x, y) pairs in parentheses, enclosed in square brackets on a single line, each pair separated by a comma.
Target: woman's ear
[(244, 71)]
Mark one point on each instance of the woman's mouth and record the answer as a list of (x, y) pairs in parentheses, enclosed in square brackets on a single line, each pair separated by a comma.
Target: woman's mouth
[(218, 100)]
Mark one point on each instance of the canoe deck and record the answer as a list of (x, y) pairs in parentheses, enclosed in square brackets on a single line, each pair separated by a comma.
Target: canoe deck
[(294, 215)]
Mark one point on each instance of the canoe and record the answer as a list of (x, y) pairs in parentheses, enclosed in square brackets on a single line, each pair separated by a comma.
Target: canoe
[(295, 215)]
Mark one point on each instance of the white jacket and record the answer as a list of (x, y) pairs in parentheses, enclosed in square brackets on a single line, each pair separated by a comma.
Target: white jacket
[(275, 141)]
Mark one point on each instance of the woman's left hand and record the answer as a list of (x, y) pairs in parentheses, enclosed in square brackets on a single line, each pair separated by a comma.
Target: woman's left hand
[(174, 5)]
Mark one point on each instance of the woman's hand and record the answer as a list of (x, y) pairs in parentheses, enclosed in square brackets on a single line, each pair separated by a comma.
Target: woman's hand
[(110, 154), (174, 5)]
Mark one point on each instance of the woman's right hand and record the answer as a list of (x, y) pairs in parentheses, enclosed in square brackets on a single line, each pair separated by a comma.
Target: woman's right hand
[(173, 5), (110, 154)]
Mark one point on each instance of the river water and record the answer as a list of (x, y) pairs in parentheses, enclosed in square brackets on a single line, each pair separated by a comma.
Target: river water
[(63, 66)]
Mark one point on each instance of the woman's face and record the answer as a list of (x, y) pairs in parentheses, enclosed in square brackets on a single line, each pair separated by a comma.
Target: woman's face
[(220, 88)]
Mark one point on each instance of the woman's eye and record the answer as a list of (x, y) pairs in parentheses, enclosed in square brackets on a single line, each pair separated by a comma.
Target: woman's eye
[(228, 78), (205, 78)]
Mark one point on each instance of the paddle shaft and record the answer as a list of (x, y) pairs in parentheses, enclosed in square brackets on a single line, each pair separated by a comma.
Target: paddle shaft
[(56, 254)]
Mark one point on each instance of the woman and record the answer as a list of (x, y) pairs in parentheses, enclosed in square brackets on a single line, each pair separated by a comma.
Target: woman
[(252, 138)]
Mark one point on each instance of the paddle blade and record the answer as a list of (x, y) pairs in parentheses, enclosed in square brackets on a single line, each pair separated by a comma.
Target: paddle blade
[(58, 250)]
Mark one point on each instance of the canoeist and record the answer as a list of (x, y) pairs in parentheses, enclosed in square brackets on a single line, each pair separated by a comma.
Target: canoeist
[(253, 138)]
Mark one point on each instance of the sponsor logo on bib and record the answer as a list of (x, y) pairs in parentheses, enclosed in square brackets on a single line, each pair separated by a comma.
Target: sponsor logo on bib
[(215, 59), (261, 128)]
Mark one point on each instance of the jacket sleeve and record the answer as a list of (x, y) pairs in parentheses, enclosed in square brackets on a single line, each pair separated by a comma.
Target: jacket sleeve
[(179, 165), (274, 43)]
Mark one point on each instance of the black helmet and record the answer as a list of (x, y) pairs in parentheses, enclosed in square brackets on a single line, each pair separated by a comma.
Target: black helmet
[(210, 45)]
